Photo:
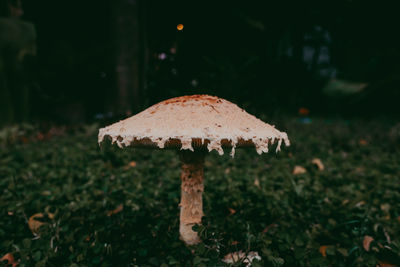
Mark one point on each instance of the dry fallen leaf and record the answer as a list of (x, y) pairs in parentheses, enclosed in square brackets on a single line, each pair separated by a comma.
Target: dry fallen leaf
[(322, 250), (239, 256), (131, 164), (46, 193), (299, 170), (319, 164), (49, 213), (233, 257), (232, 211), (359, 204), (24, 140), (10, 260), (40, 136), (363, 142), (385, 207), (34, 224), (117, 210), (367, 242), (359, 170), (273, 225), (385, 264), (388, 239)]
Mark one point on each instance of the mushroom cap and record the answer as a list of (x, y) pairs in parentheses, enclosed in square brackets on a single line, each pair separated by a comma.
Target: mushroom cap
[(196, 121)]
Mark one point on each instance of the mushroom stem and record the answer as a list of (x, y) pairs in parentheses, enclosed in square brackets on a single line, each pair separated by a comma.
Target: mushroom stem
[(191, 195)]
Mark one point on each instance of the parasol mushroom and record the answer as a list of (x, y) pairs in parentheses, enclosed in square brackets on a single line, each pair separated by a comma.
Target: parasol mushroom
[(193, 125)]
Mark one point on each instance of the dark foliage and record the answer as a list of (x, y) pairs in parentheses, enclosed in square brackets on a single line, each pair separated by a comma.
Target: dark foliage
[(251, 202)]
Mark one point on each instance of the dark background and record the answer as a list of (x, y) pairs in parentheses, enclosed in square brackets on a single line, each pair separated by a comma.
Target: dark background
[(96, 59)]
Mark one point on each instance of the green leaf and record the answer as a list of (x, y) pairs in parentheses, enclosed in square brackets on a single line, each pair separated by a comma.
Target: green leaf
[(37, 255), (330, 251), (27, 243), (343, 251), (299, 242)]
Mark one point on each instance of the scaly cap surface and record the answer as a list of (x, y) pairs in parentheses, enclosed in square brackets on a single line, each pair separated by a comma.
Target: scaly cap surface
[(188, 122)]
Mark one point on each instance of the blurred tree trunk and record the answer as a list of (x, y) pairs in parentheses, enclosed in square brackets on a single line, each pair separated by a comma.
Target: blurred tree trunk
[(131, 54), (17, 39)]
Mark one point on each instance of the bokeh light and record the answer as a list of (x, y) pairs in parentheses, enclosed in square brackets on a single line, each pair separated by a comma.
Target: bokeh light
[(179, 27)]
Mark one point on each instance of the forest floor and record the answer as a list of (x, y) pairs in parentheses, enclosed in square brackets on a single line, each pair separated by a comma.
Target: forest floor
[(65, 201)]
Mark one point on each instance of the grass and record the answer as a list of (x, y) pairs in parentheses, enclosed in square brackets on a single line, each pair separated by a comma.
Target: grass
[(113, 207)]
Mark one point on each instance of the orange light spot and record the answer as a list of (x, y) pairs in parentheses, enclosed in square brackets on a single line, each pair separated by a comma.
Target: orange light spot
[(179, 27), (304, 111)]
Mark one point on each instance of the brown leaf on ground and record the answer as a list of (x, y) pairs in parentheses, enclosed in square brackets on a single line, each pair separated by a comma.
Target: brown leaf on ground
[(46, 193), (299, 170), (322, 250), (363, 142), (10, 260), (272, 225), (240, 256), (231, 211), (367, 242), (388, 239), (40, 136), (359, 204), (131, 164), (115, 211), (359, 170), (34, 224), (51, 215), (319, 164), (24, 140), (385, 264), (385, 207)]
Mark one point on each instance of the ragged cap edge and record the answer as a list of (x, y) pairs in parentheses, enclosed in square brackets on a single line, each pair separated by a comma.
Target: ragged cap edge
[(188, 143)]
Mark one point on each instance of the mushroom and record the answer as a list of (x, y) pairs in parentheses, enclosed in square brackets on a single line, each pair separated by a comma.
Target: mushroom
[(194, 125)]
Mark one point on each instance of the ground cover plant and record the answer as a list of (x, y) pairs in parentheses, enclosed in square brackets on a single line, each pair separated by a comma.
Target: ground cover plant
[(64, 201)]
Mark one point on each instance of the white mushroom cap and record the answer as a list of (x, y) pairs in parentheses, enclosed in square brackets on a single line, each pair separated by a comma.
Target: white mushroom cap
[(189, 122)]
